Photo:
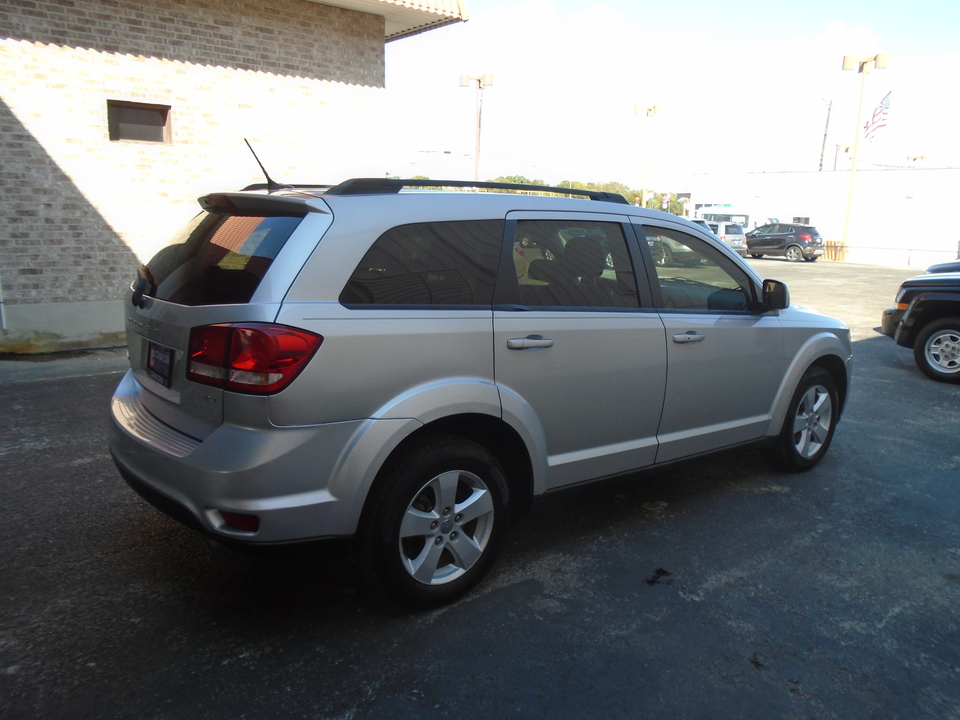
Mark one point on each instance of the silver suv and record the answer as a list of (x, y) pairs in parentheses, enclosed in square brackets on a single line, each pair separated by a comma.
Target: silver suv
[(399, 368), (732, 234)]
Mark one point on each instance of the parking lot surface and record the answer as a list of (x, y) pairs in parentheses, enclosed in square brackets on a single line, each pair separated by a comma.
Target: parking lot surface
[(717, 589)]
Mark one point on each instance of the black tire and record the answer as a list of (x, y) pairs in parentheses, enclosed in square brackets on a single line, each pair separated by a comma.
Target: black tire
[(811, 259), (418, 509), (663, 256), (810, 422), (937, 350), (756, 256), (793, 253)]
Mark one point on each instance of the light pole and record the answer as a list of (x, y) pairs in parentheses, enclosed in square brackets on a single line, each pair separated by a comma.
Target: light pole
[(481, 81), (844, 148), (862, 65), (649, 112)]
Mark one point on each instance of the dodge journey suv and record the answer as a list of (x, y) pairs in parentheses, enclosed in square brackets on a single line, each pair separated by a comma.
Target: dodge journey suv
[(394, 367)]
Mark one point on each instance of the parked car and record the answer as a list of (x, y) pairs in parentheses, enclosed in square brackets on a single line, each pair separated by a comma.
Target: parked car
[(399, 370), (792, 241), (731, 234), (945, 267), (927, 319)]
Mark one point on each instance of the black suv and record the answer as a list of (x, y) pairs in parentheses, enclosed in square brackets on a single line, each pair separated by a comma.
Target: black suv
[(927, 318), (794, 242)]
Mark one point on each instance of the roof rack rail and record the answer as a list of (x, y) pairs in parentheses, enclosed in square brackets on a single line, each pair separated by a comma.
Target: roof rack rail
[(387, 186), (278, 186)]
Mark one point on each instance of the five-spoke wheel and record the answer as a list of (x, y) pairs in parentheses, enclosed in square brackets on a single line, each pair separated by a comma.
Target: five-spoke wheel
[(808, 427), (436, 521)]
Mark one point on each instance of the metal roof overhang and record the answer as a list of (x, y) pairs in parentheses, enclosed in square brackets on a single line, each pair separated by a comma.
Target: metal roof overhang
[(404, 18)]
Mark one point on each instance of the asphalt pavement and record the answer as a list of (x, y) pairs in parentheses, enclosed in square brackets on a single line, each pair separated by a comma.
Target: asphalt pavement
[(718, 589)]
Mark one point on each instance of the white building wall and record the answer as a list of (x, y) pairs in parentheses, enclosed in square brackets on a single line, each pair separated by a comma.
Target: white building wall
[(78, 212)]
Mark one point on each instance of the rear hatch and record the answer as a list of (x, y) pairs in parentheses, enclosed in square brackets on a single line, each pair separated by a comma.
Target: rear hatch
[(732, 234), (232, 263), (815, 238)]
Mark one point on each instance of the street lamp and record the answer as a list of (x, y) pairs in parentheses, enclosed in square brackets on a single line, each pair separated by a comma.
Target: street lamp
[(862, 65), (649, 112), (481, 81)]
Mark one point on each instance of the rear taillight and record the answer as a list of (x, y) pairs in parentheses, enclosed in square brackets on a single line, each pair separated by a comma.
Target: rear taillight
[(806, 237), (249, 358)]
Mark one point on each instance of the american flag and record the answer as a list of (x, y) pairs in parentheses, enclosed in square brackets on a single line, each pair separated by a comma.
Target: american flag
[(879, 119)]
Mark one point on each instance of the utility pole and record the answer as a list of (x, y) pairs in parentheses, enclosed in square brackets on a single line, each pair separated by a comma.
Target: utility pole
[(823, 148)]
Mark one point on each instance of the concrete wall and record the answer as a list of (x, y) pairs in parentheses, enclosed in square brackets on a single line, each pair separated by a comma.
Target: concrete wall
[(898, 218), (302, 81)]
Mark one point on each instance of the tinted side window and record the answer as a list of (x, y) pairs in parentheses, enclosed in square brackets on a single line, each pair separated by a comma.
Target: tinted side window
[(572, 263), (694, 275), (219, 259), (444, 263)]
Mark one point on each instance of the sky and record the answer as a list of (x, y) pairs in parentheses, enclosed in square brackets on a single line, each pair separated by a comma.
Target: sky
[(740, 86)]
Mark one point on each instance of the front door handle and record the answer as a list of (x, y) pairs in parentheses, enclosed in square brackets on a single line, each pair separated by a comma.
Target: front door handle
[(530, 342), (688, 337)]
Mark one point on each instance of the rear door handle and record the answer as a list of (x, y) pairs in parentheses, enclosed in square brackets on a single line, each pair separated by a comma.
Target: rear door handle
[(530, 342), (688, 337)]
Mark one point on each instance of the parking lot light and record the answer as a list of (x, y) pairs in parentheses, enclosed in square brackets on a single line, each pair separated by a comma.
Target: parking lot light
[(481, 81), (862, 65)]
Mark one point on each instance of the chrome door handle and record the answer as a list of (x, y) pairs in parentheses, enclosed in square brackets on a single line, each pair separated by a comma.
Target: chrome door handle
[(688, 337), (530, 342)]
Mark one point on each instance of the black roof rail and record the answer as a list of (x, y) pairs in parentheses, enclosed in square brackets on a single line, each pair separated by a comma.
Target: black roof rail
[(387, 186), (278, 186)]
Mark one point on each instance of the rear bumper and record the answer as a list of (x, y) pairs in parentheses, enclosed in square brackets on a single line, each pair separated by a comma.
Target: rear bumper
[(281, 475)]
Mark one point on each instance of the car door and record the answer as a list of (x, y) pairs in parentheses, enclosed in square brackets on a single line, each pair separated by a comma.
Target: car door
[(760, 240), (724, 354), (782, 236), (579, 351)]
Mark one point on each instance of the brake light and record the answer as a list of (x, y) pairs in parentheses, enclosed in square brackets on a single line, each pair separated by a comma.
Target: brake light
[(806, 237), (249, 358)]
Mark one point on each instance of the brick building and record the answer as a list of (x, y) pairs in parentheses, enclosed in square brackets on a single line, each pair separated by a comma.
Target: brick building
[(116, 114)]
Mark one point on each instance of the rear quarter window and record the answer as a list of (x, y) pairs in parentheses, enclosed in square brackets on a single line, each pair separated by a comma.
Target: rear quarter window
[(442, 263), (219, 259)]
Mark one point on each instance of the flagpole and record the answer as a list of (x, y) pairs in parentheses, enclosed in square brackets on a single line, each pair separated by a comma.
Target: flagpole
[(864, 66)]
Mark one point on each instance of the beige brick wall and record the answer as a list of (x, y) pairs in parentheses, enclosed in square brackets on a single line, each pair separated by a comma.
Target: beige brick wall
[(302, 81)]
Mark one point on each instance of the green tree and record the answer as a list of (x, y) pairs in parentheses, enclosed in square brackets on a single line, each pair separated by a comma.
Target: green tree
[(517, 180), (674, 206)]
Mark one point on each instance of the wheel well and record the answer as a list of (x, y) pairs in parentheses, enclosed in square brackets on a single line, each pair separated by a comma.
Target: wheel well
[(834, 365), (932, 312), (494, 435)]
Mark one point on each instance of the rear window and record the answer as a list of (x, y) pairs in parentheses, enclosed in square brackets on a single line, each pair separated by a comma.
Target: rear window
[(218, 259), (734, 229)]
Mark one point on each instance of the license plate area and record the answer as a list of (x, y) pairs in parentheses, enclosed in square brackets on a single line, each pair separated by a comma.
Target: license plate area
[(160, 363)]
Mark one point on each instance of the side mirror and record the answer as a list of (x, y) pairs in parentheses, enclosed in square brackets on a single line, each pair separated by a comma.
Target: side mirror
[(776, 296)]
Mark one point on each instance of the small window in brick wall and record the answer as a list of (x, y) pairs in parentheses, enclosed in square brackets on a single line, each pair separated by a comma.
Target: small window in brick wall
[(138, 121)]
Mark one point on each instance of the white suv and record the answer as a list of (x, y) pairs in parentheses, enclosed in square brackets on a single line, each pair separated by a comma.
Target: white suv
[(397, 368)]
